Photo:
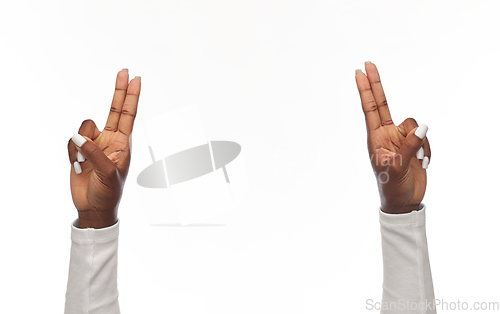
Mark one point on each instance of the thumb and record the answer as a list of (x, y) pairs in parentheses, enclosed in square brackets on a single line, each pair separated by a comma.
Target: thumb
[(102, 165), (413, 142)]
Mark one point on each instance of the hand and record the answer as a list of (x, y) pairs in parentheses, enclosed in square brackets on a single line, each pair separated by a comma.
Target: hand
[(97, 183), (401, 176)]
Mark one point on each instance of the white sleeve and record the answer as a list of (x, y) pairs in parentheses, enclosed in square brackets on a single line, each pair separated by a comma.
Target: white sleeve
[(92, 280), (407, 286)]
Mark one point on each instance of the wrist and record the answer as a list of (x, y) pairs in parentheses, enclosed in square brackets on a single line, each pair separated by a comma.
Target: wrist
[(95, 220), (400, 209)]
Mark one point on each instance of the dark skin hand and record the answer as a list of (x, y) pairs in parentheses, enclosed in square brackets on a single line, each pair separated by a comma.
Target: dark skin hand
[(400, 176), (97, 190)]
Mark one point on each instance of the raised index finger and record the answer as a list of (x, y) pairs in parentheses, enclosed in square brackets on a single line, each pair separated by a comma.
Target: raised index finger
[(367, 102), (378, 93), (129, 109)]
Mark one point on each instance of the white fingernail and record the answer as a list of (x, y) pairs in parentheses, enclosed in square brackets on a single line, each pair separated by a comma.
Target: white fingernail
[(420, 153), (421, 131), (425, 162), (80, 157), (78, 140), (78, 169)]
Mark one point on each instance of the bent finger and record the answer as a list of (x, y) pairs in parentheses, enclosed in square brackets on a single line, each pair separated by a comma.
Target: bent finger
[(427, 153), (102, 165), (412, 143), (90, 130), (71, 151), (74, 157), (407, 125)]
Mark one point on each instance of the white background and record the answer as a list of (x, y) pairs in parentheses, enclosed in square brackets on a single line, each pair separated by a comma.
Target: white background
[(278, 78)]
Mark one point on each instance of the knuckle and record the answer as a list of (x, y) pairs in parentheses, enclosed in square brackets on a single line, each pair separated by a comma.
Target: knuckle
[(387, 122), (370, 106), (411, 120), (86, 127), (87, 121), (128, 113)]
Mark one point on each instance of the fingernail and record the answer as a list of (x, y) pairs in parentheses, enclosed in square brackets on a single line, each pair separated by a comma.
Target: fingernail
[(420, 153), (358, 70), (78, 169), (425, 162), (137, 78), (80, 157), (78, 140), (125, 69), (366, 62), (421, 131)]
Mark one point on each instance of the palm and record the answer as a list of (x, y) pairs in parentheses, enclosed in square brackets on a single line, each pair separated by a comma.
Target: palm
[(385, 143), (87, 189)]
